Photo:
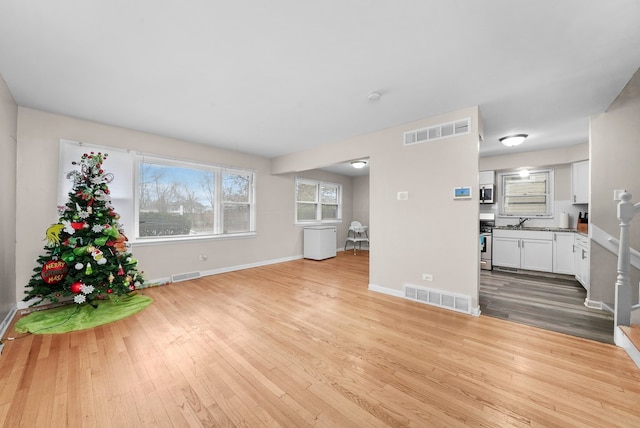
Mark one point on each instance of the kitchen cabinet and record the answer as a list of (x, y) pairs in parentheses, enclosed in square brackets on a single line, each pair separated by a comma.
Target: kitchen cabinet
[(522, 249), (580, 182), (563, 253), (487, 178), (581, 260)]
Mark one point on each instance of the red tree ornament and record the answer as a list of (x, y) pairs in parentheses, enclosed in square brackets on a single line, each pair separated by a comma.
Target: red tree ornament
[(76, 287), (54, 271)]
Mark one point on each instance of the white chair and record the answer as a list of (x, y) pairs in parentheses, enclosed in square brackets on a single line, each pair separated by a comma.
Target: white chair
[(357, 234)]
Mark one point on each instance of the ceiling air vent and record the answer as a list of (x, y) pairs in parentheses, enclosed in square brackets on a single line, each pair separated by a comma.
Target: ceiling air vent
[(437, 132)]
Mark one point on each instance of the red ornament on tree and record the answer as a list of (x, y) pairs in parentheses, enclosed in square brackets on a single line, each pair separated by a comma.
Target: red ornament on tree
[(54, 271), (76, 287)]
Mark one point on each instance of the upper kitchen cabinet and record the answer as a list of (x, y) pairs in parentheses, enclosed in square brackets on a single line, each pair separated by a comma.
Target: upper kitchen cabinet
[(487, 177), (580, 182), (487, 187)]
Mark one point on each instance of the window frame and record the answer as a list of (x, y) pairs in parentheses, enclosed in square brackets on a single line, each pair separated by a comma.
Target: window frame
[(549, 190), (318, 201), (217, 200)]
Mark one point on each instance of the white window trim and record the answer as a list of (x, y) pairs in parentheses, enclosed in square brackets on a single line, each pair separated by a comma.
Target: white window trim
[(318, 220), (218, 226)]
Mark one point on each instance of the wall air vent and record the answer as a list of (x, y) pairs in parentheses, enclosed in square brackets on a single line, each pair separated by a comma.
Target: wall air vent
[(443, 299), (437, 132), (184, 276)]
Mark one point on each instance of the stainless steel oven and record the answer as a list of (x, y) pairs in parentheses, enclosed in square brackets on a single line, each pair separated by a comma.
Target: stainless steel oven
[(487, 222)]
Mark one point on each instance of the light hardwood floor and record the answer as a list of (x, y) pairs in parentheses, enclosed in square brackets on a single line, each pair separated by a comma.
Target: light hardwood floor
[(304, 343)]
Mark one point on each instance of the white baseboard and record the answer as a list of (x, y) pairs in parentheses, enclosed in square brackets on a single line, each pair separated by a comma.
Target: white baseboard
[(161, 281), (385, 290), (6, 322)]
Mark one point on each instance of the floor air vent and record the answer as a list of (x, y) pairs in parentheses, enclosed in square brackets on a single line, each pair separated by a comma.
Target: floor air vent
[(438, 132), (456, 302), (184, 276)]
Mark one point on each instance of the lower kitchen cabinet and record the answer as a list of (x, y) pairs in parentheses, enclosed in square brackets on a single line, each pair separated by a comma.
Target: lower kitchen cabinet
[(563, 253), (581, 259), (521, 249)]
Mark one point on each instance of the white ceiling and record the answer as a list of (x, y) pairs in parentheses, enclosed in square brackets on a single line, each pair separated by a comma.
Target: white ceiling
[(276, 77)]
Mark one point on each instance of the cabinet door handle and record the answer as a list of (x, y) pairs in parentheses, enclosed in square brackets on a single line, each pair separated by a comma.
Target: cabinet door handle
[(574, 198), (583, 257), (574, 248)]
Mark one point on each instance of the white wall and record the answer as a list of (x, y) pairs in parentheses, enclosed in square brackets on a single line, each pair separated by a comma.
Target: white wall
[(36, 178), (8, 148), (615, 164), (428, 233)]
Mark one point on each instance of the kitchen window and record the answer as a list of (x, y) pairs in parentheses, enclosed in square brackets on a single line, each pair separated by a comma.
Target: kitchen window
[(530, 196), (318, 201)]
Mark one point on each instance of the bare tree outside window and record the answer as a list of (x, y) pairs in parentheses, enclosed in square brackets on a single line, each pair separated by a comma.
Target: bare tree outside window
[(179, 200)]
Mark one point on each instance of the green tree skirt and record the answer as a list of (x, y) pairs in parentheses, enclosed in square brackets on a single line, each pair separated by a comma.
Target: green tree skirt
[(80, 317)]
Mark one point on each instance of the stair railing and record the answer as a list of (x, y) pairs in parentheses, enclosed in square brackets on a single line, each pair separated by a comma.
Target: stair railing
[(626, 211)]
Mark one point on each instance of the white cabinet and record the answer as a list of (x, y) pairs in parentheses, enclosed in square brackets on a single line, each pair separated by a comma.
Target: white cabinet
[(563, 253), (487, 178), (580, 182), (581, 258), (319, 242), (522, 249), (506, 251)]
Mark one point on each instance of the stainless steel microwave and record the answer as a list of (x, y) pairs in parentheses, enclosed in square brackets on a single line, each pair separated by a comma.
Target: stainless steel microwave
[(487, 192)]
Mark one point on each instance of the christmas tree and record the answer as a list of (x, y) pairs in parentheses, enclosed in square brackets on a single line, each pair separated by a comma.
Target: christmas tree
[(86, 255)]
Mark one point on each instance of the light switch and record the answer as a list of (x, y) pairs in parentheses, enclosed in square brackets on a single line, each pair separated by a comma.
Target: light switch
[(403, 196), (617, 194)]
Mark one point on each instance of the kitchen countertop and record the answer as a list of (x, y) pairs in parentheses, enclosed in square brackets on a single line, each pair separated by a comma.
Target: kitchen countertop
[(541, 229)]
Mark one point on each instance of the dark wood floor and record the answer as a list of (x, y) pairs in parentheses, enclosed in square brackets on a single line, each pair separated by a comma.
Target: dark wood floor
[(550, 303)]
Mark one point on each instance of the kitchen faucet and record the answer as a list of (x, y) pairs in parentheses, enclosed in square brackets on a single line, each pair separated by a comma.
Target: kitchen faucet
[(522, 220)]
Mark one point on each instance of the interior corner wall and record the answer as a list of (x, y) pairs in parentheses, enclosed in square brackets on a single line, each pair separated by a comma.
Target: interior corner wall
[(361, 201), (429, 232), (38, 135), (8, 149), (615, 151)]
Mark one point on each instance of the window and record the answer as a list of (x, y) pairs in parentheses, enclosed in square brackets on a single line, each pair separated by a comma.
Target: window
[(159, 198), (530, 196), (189, 199), (318, 201)]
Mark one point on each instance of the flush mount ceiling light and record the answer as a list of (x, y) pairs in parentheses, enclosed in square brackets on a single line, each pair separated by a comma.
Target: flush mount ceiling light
[(513, 140), (358, 164), (374, 97), (524, 173)]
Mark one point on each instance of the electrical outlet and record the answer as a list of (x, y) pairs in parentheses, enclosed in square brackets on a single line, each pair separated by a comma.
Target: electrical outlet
[(427, 277), (203, 257)]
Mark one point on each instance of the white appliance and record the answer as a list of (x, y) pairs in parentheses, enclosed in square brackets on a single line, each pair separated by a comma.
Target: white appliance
[(320, 242)]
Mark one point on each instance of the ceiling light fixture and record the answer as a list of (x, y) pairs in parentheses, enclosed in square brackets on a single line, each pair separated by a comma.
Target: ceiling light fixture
[(358, 164), (524, 173), (374, 96), (513, 140)]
